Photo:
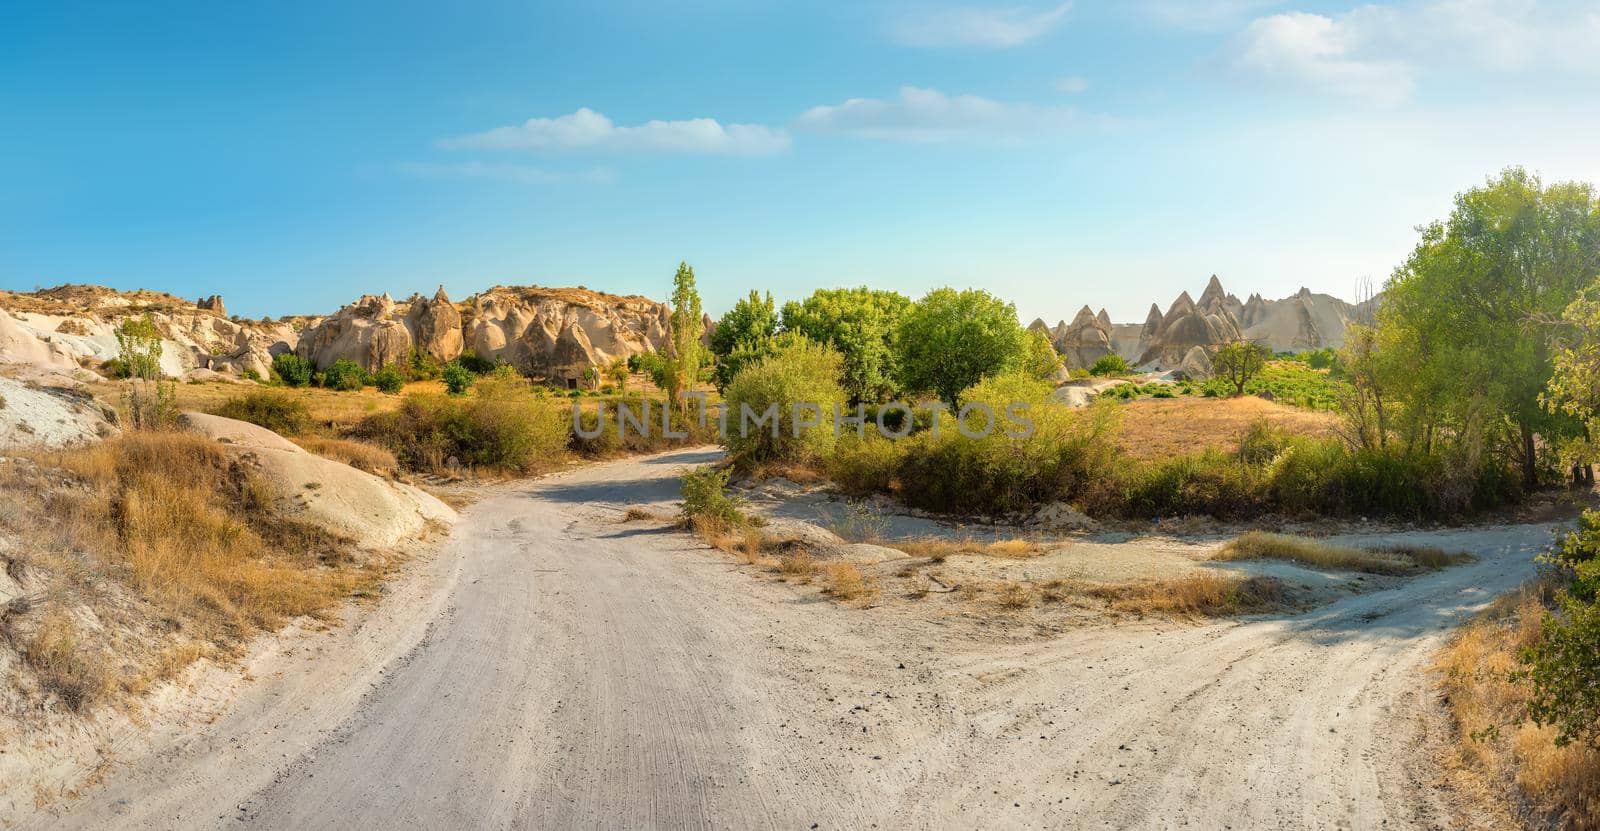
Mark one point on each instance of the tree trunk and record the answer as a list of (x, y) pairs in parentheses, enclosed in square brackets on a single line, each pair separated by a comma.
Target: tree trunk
[(1530, 467)]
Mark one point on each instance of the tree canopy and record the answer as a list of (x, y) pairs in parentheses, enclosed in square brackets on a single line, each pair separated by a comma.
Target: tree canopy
[(859, 324), (1465, 321), (743, 334), (950, 340)]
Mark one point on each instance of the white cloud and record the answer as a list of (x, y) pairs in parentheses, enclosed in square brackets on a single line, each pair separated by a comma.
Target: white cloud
[(1323, 54), (587, 129), (510, 173), (1071, 83), (975, 26), (1204, 14), (929, 115), (1377, 53)]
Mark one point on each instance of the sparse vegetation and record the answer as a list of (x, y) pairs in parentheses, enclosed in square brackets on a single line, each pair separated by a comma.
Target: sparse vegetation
[(171, 548), (1196, 595), (504, 427), (291, 369), (277, 411), (1394, 560), (706, 503), (845, 581)]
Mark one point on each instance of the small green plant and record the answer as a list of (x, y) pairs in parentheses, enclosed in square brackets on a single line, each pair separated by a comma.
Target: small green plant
[(1109, 365), (251, 375), (474, 364), (151, 402), (291, 369), (457, 378), (389, 379), (706, 499), (345, 375)]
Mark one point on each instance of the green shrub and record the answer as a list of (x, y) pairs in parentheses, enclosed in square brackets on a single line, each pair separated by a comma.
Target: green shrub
[(470, 361), (389, 379), (706, 499), (345, 375), (457, 378), (251, 375), (1069, 453), (277, 411), (291, 369), (798, 372), (1109, 365), (505, 426), (1563, 669), (420, 366), (865, 464)]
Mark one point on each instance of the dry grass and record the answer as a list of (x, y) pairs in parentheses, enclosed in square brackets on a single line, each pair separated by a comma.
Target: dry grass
[(798, 563), (846, 582), (938, 549), (1497, 750), (1015, 596), (1161, 428), (332, 412), (152, 547), (357, 454), (638, 514), (1196, 595), (1393, 560)]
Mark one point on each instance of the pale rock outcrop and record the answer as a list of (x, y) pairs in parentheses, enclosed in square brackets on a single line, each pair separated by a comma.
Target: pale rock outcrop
[(1304, 320), (212, 304), (371, 332), (1188, 324), (35, 415), (1196, 364), (1084, 341), (559, 334), (21, 345), (373, 512), (435, 326)]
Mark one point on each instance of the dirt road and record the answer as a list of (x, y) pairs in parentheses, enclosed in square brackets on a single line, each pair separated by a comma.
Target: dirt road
[(579, 672)]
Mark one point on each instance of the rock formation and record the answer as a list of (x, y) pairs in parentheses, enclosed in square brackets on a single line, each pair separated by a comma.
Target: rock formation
[(1084, 341), (1165, 341), (558, 334)]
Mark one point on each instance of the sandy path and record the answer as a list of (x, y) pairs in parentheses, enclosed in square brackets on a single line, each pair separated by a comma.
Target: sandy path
[(581, 672)]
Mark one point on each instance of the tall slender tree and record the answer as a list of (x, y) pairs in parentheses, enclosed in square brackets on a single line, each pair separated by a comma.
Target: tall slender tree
[(687, 327)]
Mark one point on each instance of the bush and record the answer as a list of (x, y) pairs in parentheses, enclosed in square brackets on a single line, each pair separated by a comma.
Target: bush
[(1070, 453), (799, 371), (291, 369), (457, 378), (470, 361), (420, 366), (866, 464), (345, 375), (706, 500), (279, 412), (504, 427), (1109, 365), (389, 379)]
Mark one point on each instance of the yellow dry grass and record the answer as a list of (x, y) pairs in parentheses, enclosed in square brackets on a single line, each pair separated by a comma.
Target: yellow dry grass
[(173, 550), (937, 548), (1196, 595), (846, 582), (357, 454), (1497, 751), (1391, 559), (1160, 428)]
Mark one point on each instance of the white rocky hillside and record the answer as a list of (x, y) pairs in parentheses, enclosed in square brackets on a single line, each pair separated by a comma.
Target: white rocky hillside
[(554, 333)]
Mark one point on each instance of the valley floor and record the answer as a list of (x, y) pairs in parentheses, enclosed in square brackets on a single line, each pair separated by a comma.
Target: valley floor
[(552, 666)]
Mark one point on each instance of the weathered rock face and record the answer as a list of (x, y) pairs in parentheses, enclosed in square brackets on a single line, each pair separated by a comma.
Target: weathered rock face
[(371, 331), (1196, 364), (559, 334), (77, 324), (1302, 321), (1187, 325), (436, 327), (1084, 341)]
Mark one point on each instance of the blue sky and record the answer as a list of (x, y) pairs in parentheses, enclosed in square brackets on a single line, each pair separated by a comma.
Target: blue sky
[(292, 156)]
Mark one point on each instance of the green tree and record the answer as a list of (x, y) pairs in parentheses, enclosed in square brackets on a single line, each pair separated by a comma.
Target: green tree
[(389, 379), (1465, 311), (1109, 365), (457, 378), (800, 371), (1240, 361), (292, 369), (345, 375), (151, 403), (950, 340), (1043, 361), (1574, 387), (687, 327), (859, 323), (747, 329)]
